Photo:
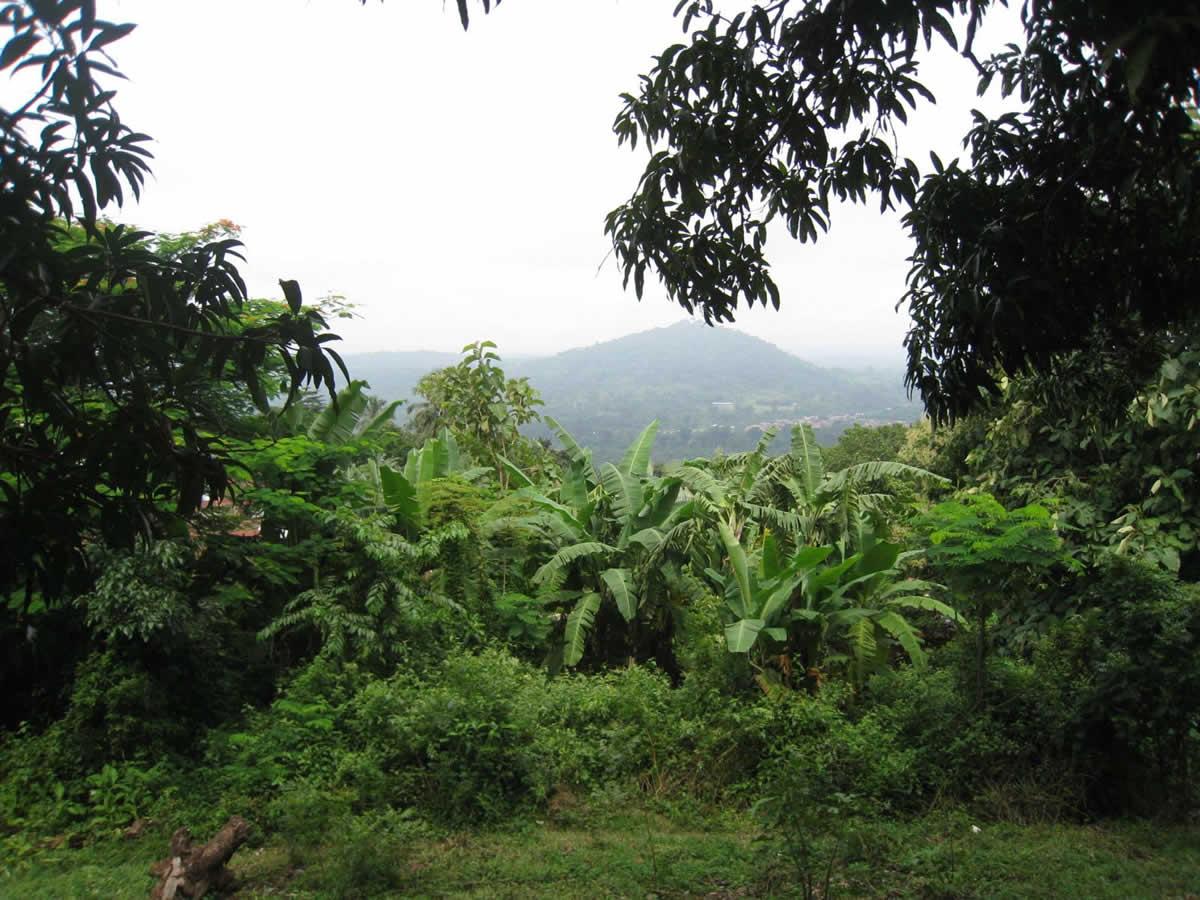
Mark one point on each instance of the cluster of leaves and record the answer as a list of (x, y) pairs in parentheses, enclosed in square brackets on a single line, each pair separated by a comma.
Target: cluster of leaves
[(108, 345), (485, 409), (1118, 473), (776, 111)]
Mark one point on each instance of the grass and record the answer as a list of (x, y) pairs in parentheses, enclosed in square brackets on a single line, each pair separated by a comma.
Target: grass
[(631, 854)]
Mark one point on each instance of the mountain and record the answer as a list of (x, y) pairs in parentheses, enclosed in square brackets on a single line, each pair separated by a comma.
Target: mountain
[(393, 374), (709, 388)]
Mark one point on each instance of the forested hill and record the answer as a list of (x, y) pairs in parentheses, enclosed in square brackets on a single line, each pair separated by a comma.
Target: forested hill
[(709, 387)]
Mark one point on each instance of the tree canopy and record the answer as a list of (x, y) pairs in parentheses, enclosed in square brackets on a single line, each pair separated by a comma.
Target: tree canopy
[(1072, 225), (111, 344)]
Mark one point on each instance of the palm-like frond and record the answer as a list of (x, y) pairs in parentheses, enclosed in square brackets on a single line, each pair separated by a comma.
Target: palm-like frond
[(876, 469), (620, 585), (701, 483), (579, 623), (809, 466), (929, 603), (568, 555), (576, 453), (897, 626), (335, 423), (636, 461), (625, 492), (781, 521)]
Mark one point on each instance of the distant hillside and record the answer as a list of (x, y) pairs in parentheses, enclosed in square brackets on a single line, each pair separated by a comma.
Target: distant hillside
[(709, 387), (393, 374)]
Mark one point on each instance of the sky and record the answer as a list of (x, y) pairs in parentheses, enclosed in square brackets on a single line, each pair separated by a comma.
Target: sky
[(453, 185)]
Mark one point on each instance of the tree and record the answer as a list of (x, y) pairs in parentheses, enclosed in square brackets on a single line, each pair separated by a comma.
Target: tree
[(475, 401), (1118, 480), (1074, 225), (354, 415), (861, 443), (987, 554), (800, 605), (105, 339)]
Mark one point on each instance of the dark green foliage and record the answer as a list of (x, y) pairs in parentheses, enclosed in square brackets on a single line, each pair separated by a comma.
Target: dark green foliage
[(860, 444), (110, 346), (459, 746), (999, 750), (777, 112), (297, 740), (1134, 709), (1114, 453)]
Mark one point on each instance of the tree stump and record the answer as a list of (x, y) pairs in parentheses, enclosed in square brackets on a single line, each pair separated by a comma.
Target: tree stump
[(194, 871)]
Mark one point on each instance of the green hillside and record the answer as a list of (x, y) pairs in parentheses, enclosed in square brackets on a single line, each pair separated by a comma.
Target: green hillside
[(711, 388)]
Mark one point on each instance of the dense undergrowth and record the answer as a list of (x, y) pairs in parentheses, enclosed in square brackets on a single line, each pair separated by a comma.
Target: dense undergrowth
[(736, 677), (344, 773)]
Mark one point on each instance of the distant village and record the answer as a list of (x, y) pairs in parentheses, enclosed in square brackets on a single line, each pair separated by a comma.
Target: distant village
[(839, 420)]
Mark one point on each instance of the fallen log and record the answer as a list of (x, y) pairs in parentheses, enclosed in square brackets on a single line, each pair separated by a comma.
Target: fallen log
[(194, 871)]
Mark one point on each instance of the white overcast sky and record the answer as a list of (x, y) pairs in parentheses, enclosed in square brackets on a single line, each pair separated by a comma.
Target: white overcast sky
[(453, 185)]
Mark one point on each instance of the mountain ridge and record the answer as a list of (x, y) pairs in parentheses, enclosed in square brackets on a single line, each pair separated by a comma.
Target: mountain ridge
[(709, 388)]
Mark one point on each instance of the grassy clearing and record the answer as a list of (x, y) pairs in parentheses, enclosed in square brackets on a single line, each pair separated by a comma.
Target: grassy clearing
[(642, 856)]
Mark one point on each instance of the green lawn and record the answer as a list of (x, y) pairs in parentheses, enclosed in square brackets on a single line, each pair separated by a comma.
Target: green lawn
[(642, 856)]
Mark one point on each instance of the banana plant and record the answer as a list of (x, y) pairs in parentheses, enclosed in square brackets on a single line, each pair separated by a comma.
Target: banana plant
[(356, 414), (407, 493), (802, 605), (793, 496), (610, 525)]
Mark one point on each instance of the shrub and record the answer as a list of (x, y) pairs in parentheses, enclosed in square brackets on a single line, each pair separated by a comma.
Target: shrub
[(1134, 700), (458, 745)]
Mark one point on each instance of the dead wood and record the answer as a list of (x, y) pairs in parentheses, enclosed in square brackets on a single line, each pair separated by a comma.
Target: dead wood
[(194, 871)]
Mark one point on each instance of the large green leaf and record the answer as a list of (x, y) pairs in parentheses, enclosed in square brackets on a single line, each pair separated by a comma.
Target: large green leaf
[(769, 561), (450, 461), (568, 555), (807, 557), (741, 635), (870, 471), (636, 461), (380, 420), (576, 453), (625, 491), (809, 467), (660, 504), (336, 422), (783, 521), (777, 600), (400, 496), (879, 557), (579, 623), (741, 570), (516, 477), (649, 538), (700, 481), (565, 513), (931, 604), (897, 626), (620, 585), (573, 491)]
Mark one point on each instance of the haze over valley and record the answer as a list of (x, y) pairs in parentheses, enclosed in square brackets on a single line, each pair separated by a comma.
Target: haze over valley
[(710, 388)]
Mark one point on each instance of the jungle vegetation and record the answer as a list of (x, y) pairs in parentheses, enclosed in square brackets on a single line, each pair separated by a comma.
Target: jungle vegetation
[(233, 585)]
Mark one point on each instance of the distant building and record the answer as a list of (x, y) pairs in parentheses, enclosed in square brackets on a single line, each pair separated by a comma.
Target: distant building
[(723, 406)]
